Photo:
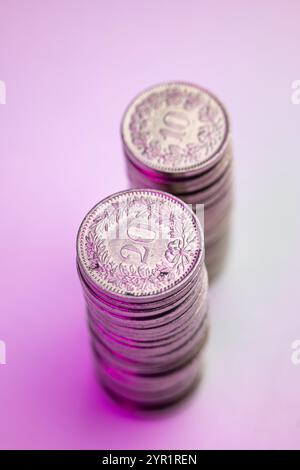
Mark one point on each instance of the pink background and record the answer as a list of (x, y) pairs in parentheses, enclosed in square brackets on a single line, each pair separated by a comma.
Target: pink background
[(70, 69)]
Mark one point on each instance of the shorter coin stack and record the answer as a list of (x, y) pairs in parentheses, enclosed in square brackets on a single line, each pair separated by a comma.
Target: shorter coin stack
[(176, 139), (140, 258)]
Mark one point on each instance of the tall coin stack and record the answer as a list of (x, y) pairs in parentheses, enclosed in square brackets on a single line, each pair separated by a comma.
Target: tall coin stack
[(140, 259), (176, 139)]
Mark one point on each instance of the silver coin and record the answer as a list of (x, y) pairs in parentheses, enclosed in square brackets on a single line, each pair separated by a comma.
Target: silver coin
[(178, 186), (160, 356), (140, 260), (143, 312), (159, 330), (164, 362), (139, 310), (175, 128), (152, 352), (160, 247), (156, 326), (170, 395)]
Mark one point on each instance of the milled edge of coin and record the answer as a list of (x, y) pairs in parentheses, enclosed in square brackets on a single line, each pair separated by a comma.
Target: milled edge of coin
[(188, 170), (180, 185), (175, 286), (131, 304)]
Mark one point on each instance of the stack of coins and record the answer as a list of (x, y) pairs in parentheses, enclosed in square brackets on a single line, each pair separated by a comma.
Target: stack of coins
[(176, 139), (140, 259)]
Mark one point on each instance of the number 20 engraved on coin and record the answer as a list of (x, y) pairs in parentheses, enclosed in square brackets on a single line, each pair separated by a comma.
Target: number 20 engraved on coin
[(140, 243)]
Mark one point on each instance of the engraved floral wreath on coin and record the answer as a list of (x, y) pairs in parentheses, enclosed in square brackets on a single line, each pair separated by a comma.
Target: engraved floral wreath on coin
[(209, 136), (181, 249)]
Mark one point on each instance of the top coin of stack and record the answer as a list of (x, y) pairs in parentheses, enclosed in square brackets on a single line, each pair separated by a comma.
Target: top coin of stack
[(176, 138), (140, 258)]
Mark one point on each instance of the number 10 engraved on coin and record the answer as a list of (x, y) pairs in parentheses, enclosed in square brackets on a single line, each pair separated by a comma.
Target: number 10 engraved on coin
[(175, 127)]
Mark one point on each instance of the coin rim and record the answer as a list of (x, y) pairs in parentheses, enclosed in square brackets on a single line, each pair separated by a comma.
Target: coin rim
[(189, 170), (175, 287)]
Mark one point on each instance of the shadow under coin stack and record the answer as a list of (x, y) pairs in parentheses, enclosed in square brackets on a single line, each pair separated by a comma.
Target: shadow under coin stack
[(176, 139), (140, 259)]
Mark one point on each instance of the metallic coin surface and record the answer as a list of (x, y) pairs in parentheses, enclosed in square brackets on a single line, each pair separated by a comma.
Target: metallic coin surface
[(183, 185), (152, 328), (140, 260), (176, 129), (134, 305), (157, 364), (140, 244), (176, 384)]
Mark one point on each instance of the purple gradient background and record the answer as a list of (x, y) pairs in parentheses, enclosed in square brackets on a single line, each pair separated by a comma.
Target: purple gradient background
[(70, 69)]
